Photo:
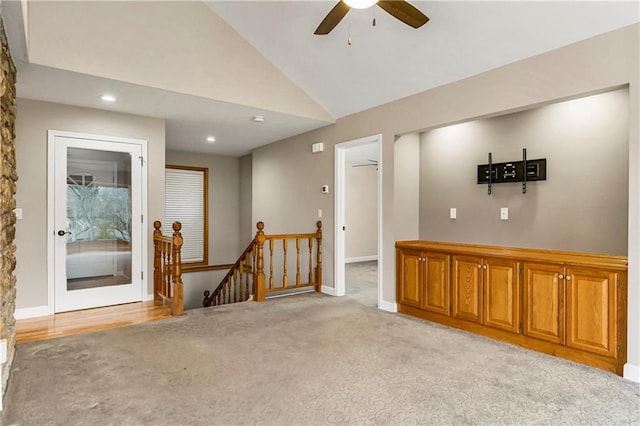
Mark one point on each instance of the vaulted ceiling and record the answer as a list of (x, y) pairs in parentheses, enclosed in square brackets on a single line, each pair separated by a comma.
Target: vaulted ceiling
[(209, 67)]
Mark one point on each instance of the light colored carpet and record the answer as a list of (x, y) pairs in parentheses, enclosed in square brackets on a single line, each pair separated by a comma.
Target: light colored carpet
[(361, 282), (304, 360)]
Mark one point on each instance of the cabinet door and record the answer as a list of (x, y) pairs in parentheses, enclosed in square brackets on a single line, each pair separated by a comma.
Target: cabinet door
[(501, 296), (591, 310), (467, 288), (410, 279), (544, 302), (436, 283)]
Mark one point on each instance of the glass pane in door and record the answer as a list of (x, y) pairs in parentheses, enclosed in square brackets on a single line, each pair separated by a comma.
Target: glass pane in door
[(98, 218)]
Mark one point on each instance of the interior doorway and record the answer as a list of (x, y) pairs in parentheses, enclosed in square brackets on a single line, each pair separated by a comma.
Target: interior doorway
[(96, 240), (357, 209)]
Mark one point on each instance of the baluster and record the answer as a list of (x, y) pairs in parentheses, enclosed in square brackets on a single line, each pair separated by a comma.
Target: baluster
[(285, 242), (167, 270), (319, 257), (259, 290), (157, 278), (297, 261), (271, 264), (310, 260), (240, 292), (177, 290), (228, 291), (235, 285), (246, 278)]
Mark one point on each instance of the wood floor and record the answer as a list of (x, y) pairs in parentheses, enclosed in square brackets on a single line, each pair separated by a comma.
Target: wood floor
[(89, 320)]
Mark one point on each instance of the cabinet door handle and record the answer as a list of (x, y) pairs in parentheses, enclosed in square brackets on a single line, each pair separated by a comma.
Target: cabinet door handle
[(560, 276), (479, 266), (568, 277), (424, 259), (484, 266)]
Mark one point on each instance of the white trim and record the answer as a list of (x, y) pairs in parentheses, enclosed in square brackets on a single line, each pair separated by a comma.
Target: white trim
[(361, 259), (339, 212), (51, 136), (388, 306), (146, 297), (33, 312), (631, 372), (331, 291)]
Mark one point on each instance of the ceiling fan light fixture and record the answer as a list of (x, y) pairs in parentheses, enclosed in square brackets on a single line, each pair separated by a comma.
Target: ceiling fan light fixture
[(360, 4)]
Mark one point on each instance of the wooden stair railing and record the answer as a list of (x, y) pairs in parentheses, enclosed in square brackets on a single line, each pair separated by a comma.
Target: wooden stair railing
[(167, 268), (237, 285), (247, 276)]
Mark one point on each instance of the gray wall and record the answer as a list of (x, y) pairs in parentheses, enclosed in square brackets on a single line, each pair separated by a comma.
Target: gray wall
[(33, 121), (223, 200), (361, 211), (287, 176), (406, 187), (247, 227), (582, 206)]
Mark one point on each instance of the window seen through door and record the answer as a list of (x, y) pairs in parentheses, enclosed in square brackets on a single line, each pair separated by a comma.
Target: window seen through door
[(186, 202)]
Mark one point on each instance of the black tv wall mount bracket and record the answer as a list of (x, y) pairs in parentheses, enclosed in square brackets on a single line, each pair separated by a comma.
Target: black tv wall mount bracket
[(514, 171)]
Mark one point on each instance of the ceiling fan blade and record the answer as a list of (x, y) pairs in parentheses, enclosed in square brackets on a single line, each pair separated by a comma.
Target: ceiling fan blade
[(405, 12), (333, 18)]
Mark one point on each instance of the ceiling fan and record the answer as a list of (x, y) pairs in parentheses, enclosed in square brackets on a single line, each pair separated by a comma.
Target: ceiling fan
[(371, 163), (399, 9)]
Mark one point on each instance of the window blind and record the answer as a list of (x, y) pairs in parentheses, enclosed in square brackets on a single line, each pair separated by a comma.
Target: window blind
[(185, 203)]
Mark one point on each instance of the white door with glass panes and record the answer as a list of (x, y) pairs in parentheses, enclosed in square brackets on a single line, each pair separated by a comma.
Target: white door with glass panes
[(97, 229)]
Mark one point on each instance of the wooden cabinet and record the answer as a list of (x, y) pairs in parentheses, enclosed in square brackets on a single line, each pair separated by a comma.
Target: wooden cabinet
[(425, 280), (467, 288), (485, 291), (501, 294), (571, 306), (543, 302), (567, 304), (410, 275), (591, 310)]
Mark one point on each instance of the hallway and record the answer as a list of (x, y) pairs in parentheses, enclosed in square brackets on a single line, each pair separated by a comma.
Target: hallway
[(362, 282)]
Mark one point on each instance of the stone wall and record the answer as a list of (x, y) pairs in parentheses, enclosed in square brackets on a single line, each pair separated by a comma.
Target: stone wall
[(8, 179)]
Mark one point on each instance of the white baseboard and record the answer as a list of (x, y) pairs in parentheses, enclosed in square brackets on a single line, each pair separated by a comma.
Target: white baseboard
[(331, 291), (147, 297), (361, 259), (631, 372), (34, 312), (388, 306)]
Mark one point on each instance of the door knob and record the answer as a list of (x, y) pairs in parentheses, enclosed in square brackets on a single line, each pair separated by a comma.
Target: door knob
[(62, 233)]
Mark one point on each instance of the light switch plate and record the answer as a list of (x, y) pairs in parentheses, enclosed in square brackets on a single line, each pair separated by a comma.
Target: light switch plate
[(18, 213), (319, 213), (453, 213), (504, 213)]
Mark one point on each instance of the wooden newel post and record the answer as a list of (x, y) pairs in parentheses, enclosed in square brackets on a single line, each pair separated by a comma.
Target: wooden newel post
[(319, 257), (177, 293), (157, 275), (259, 291)]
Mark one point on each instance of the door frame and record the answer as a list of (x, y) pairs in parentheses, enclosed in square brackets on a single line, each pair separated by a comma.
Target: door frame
[(51, 137), (340, 212)]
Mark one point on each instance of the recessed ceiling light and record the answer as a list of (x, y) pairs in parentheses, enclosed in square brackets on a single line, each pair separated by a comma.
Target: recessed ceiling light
[(108, 98), (211, 139), (258, 118)]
